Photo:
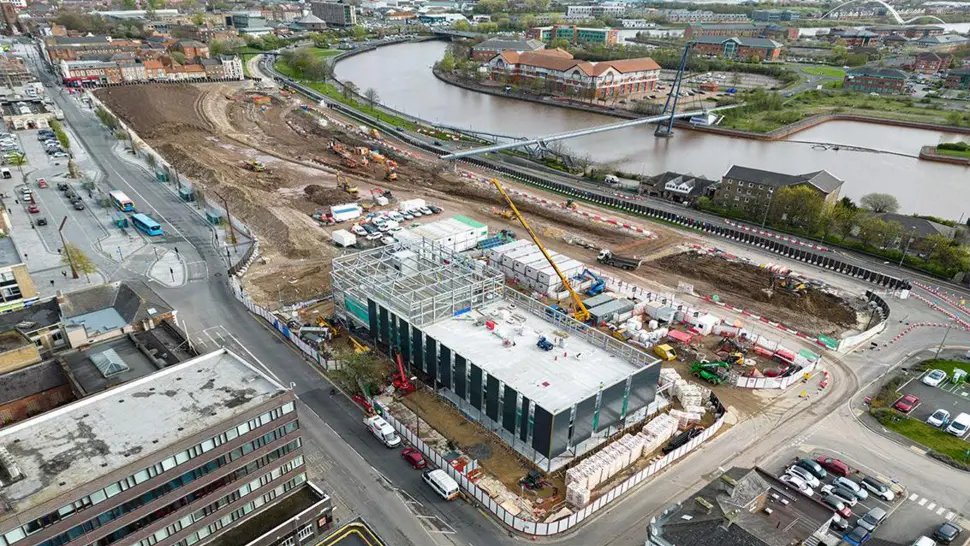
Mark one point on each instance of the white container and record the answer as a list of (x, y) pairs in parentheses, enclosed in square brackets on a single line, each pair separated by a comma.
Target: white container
[(347, 211), (411, 204), (344, 238)]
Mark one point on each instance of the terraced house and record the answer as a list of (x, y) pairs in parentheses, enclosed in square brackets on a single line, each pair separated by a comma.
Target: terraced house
[(558, 72)]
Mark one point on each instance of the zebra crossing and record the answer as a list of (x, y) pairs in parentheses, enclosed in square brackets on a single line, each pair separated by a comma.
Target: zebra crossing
[(924, 502)]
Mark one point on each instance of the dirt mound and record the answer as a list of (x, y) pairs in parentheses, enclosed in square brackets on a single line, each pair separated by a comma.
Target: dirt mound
[(325, 196), (749, 283), (156, 110)]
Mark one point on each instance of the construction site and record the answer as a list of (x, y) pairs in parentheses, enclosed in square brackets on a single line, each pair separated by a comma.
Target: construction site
[(596, 324)]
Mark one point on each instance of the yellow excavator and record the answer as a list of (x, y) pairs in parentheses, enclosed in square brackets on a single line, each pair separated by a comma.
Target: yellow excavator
[(580, 313), (790, 284), (255, 166), (344, 185)]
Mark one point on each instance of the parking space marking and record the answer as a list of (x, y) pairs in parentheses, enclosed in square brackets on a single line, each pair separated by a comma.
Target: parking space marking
[(940, 511), (922, 501), (949, 516), (931, 506)]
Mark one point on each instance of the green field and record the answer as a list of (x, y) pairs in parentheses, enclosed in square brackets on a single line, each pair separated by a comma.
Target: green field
[(945, 365), (956, 153), (325, 52), (827, 71), (931, 437)]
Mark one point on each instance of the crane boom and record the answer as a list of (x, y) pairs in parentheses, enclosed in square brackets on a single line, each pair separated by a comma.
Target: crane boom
[(582, 313)]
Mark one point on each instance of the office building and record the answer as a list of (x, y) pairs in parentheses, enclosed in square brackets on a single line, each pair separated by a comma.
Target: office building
[(16, 286), (174, 458), (574, 34), (337, 14), (459, 329)]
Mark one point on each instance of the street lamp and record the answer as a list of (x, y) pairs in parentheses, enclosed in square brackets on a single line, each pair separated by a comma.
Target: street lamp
[(942, 341), (764, 219), (909, 241)]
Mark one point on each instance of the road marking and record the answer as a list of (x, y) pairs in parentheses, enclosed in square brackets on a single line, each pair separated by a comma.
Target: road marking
[(931, 506), (922, 501), (949, 516), (940, 511), (913, 497), (258, 361), (214, 342)]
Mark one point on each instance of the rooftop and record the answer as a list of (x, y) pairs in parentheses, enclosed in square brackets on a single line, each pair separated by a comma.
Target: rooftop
[(12, 340), (876, 71), (746, 42), (264, 522), (111, 306), (31, 380), (562, 61), (91, 380), (919, 227), (550, 378), (498, 44), (943, 39), (8, 253), (61, 450), (823, 180), (34, 317)]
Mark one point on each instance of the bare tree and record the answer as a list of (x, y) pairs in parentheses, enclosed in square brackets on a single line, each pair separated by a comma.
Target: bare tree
[(371, 95)]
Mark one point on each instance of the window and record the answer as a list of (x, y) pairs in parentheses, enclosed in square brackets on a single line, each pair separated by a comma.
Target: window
[(305, 532), (288, 541)]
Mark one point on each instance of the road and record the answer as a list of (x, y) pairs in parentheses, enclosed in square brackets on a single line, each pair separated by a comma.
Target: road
[(369, 480)]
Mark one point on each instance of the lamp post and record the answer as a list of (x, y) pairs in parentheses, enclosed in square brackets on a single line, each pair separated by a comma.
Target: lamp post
[(909, 241), (764, 219), (942, 341)]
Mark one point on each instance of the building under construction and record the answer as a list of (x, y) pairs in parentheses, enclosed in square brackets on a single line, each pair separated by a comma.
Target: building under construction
[(549, 386)]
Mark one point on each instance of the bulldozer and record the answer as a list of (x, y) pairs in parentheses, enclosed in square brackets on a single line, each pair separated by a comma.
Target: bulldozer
[(713, 372), (790, 284), (255, 166)]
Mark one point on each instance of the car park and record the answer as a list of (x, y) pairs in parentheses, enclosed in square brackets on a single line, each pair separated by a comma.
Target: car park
[(838, 505), (856, 536), (947, 533), (872, 519), (414, 458), (878, 488), (939, 418), (798, 483), (835, 466), (907, 403), (853, 486), (959, 425), (805, 475), (934, 378), (813, 467)]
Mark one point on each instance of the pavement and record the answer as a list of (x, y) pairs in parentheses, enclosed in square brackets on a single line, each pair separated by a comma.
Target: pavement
[(371, 481)]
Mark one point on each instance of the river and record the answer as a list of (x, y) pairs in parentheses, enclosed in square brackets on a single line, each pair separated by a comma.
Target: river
[(402, 76)]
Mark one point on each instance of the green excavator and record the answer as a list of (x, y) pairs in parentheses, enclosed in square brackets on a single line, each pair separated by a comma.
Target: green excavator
[(712, 372)]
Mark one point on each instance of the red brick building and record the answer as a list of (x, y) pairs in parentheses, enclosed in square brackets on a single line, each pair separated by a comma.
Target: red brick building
[(884, 81), (931, 63)]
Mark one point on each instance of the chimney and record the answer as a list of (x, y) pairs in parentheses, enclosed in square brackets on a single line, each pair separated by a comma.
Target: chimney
[(728, 484), (704, 504)]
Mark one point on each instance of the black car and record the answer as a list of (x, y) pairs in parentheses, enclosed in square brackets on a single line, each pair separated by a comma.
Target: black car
[(947, 533), (78, 205), (682, 439), (41, 221), (63, 186)]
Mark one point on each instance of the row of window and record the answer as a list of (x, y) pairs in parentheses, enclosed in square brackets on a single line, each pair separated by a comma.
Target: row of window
[(249, 507), (265, 479), (187, 478), (302, 534), (16, 535)]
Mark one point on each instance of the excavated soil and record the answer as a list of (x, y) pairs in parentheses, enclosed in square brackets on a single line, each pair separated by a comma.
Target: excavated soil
[(750, 287)]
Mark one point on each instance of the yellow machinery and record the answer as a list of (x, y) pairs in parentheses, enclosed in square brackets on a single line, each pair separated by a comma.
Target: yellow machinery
[(334, 332), (389, 173), (571, 205), (255, 166), (665, 352), (343, 185), (580, 313), (358, 348), (791, 284)]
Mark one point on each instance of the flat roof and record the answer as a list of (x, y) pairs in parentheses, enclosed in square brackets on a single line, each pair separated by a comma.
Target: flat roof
[(90, 378), (553, 379), (61, 450), (8, 253), (280, 512)]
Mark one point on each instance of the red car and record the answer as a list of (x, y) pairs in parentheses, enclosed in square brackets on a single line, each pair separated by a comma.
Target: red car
[(41, 183), (414, 457), (907, 403), (33, 208), (834, 466)]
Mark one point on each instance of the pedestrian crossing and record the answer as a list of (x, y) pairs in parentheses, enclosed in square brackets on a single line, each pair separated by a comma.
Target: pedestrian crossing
[(941, 511)]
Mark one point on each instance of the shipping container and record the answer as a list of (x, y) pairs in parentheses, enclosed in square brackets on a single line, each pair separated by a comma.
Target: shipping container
[(622, 309), (598, 300), (411, 204), (344, 238), (348, 211)]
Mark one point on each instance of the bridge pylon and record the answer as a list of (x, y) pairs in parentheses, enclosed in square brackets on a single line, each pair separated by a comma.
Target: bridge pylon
[(665, 129)]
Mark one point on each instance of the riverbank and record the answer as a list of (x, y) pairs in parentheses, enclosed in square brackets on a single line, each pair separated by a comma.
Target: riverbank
[(930, 153), (522, 95)]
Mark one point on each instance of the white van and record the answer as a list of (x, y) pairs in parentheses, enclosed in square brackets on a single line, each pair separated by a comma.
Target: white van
[(960, 425), (442, 483), (382, 430)]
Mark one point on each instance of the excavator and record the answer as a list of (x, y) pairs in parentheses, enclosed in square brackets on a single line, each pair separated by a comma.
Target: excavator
[(790, 284), (570, 205), (255, 166), (712, 372), (358, 347), (335, 332), (389, 173), (580, 312), (346, 158), (344, 185), (599, 284)]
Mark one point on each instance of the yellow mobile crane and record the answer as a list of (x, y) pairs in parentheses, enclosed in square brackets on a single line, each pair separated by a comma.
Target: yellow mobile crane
[(581, 313)]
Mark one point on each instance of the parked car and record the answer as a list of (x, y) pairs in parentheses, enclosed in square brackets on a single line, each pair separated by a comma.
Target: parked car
[(374, 236), (872, 519), (878, 488), (41, 183), (798, 484), (358, 230), (939, 418), (934, 378), (839, 523), (388, 240), (63, 186), (853, 486), (835, 466), (813, 467), (78, 205), (836, 504), (682, 439), (41, 222), (33, 208), (414, 458), (907, 403), (959, 425), (425, 211), (947, 533), (856, 536), (843, 494), (805, 475), (59, 154)]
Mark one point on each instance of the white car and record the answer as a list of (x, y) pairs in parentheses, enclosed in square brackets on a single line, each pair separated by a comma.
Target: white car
[(840, 493), (359, 231), (939, 418), (852, 486), (934, 378), (388, 240), (395, 229), (878, 488), (805, 475), (798, 484), (375, 236), (397, 217)]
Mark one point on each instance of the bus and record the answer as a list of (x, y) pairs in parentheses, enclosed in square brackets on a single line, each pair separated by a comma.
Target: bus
[(121, 201), (145, 224)]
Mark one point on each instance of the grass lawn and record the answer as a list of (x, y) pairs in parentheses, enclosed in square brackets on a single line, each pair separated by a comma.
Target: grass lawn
[(931, 437), (326, 52), (827, 71), (945, 365), (955, 153)]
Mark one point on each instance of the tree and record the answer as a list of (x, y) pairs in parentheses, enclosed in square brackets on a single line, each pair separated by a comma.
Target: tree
[(491, 6), (320, 40), (18, 160), (129, 4), (362, 373), (797, 205), (78, 261), (198, 19), (60, 134), (462, 25), (358, 32), (371, 95), (947, 253), (891, 234), (178, 57), (843, 217), (871, 228), (559, 43), (72, 169), (447, 62), (879, 202), (350, 89)]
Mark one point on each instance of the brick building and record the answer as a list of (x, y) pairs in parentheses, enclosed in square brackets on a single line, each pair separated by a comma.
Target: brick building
[(885, 81), (931, 63), (751, 190), (958, 78), (556, 71), (738, 48), (574, 34), (191, 49), (746, 30), (16, 286)]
